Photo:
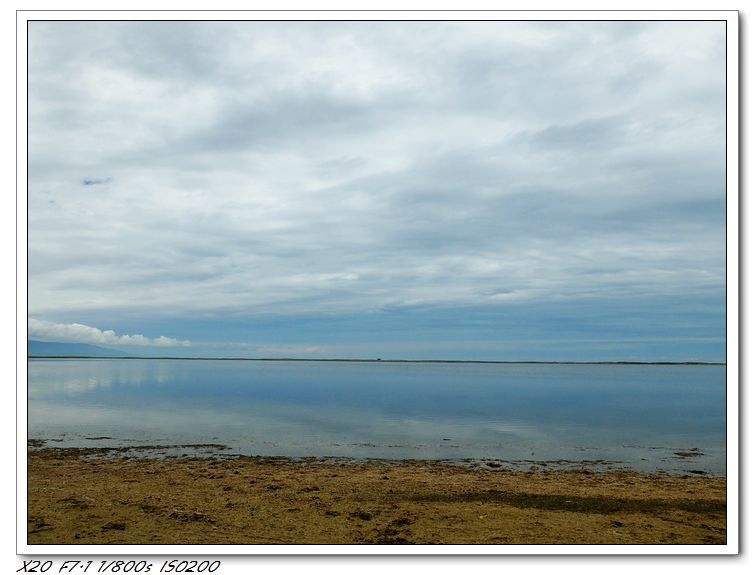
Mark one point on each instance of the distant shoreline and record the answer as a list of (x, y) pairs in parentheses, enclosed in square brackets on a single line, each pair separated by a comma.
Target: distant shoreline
[(364, 360)]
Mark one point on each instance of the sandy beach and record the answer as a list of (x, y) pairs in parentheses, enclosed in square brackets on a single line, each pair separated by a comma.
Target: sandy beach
[(80, 496)]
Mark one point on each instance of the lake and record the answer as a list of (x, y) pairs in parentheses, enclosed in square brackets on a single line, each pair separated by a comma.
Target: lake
[(647, 417)]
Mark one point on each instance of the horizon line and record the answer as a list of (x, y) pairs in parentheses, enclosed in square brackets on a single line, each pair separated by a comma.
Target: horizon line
[(381, 360)]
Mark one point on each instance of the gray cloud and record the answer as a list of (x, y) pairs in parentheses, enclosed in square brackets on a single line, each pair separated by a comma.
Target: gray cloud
[(94, 181), (353, 166)]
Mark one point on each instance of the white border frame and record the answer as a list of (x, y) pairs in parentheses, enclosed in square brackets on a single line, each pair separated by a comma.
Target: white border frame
[(157, 552)]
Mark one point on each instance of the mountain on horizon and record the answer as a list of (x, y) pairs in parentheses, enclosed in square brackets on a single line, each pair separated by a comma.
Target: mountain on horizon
[(61, 349)]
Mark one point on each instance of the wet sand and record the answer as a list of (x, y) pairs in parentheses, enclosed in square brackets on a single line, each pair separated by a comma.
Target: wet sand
[(79, 496)]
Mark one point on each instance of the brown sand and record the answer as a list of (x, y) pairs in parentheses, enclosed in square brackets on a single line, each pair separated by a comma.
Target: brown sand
[(75, 498)]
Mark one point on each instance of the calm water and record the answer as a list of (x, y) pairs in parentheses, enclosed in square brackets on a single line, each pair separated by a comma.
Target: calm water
[(635, 416)]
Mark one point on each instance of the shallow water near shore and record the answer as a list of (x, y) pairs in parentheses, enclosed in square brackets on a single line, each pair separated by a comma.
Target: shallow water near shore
[(645, 417)]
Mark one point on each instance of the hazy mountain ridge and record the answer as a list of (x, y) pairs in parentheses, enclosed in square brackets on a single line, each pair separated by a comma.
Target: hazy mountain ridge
[(56, 348)]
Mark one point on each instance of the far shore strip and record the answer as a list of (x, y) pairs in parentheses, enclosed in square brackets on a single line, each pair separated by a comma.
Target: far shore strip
[(381, 360)]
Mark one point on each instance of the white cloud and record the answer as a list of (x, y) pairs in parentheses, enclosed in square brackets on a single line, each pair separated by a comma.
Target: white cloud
[(79, 333), (289, 350)]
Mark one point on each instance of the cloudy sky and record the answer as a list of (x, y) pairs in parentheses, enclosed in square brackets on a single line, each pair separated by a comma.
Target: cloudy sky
[(468, 190)]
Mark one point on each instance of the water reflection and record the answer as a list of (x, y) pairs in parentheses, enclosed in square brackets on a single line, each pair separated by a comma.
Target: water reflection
[(51, 377), (387, 410)]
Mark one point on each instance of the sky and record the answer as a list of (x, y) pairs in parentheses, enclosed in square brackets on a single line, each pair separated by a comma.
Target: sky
[(418, 190)]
